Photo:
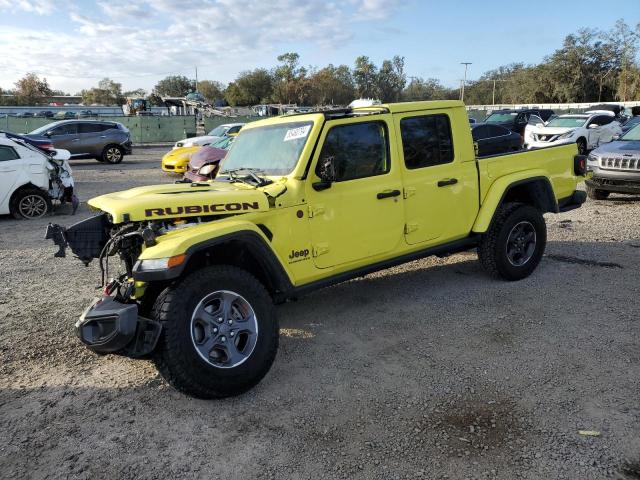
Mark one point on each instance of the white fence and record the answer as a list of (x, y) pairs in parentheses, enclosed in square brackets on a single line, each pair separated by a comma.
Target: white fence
[(551, 106)]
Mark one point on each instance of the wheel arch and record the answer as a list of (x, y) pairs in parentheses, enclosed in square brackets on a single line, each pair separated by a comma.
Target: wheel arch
[(536, 191), (245, 249), (24, 186)]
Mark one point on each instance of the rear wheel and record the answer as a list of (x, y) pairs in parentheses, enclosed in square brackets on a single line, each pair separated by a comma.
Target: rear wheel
[(220, 333), (513, 246), (112, 154), (596, 194), (30, 203)]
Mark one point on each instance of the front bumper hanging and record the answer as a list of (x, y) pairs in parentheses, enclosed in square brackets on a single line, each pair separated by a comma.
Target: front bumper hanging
[(109, 326)]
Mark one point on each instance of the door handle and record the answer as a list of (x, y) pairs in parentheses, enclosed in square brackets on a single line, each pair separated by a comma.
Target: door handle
[(75, 140), (448, 181), (390, 193)]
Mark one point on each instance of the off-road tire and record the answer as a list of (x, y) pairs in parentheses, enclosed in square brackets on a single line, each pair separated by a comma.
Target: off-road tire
[(582, 146), (492, 251), (596, 194), (112, 154), (19, 209), (176, 357)]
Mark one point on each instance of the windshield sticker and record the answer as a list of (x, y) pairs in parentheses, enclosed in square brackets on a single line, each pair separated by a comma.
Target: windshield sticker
[(295, 133)]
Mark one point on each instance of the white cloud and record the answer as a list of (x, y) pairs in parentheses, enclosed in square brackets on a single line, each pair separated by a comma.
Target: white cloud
[(145, 40), (41, 7)]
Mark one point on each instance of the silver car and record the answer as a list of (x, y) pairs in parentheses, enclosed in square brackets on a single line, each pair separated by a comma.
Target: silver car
[(615, 166)]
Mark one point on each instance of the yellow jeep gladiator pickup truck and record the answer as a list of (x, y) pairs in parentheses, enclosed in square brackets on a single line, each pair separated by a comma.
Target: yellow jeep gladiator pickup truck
[(302, 202)]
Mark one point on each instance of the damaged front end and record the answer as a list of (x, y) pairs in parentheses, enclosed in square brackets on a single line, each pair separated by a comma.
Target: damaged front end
[(112, 323)]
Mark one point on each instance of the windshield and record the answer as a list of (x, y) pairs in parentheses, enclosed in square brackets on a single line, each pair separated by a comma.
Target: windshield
[(272, 149), (500, 117), (572, 122), (43, 129), (218, 131), (223, 143), (633, 134)]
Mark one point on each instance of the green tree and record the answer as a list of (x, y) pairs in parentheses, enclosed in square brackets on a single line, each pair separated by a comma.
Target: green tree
[(137, 93), (211, 90), (419, 89), (174, 86), (107, 92), (391, 79), (250, 88), (30, 90), (332, 85), (365, 75)]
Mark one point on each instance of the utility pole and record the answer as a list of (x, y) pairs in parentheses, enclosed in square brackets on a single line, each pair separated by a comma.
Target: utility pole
[(466, 65), (196, 78)]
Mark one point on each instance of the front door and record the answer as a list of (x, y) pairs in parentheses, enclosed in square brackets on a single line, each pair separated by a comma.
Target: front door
[(10, 165), (66, 137), (360, 215), (440, 183)]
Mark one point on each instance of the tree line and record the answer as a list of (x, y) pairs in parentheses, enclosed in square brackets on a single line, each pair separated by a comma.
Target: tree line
[(590, 66)]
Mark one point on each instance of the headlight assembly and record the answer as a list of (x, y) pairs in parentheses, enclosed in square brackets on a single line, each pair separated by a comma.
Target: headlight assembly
[(566, 135), (207, 169)]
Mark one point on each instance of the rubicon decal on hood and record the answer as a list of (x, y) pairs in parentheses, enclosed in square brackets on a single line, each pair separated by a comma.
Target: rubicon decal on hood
[(193, 209)]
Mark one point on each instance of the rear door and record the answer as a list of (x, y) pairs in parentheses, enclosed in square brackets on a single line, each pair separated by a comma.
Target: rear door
[(360, 216), (440, 183), (89, 135)]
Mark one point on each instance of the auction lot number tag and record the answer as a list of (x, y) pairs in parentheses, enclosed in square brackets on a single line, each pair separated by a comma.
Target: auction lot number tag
[(295, 133)]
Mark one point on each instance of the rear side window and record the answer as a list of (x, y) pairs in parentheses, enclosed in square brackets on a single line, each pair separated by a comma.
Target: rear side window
[(66, 129), (89, 128), (359, 150), (8, 153), (496, 131), (478, 133), (426, 141)]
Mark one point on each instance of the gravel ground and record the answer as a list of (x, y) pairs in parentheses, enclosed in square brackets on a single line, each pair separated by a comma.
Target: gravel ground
[(428, 370)]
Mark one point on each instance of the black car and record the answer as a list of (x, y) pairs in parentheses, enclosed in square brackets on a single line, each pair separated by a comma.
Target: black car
[(494, 139), (43, 144), (104, 141), (44, 114), (517, 120)]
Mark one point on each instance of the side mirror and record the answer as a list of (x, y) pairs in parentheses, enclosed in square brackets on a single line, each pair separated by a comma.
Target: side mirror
[(594, 125), (60, 154), (48, 133), (539, 125), (615, 137), (326, 172)]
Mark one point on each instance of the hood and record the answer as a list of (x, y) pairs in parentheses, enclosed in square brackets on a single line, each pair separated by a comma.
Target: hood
[(552, 130), (629, 148), (158, 202), (205, 139), (206, 155), (180, 152)]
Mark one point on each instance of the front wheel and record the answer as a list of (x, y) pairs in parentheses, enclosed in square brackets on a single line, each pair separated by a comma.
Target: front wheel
[(513, 246), (220, 333)]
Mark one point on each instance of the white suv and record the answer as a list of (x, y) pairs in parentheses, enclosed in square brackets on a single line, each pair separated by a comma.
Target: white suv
[(587, 130), (30, 179)]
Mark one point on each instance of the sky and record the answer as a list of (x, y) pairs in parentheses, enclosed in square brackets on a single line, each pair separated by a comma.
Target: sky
[(75, 43)]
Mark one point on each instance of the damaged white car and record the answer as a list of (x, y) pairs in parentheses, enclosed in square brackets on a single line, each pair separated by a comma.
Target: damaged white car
[(32, 179), (587, 130)]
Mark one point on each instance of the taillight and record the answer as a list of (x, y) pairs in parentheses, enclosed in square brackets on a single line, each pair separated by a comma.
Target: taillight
[(580, 165)]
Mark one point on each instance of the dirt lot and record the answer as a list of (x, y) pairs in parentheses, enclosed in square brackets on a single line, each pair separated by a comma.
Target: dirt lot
[(429, 370)]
